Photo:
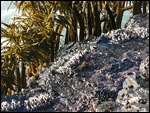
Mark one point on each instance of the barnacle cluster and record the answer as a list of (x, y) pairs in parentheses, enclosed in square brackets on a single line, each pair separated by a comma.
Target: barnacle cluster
[(27, 103), (121, 35)]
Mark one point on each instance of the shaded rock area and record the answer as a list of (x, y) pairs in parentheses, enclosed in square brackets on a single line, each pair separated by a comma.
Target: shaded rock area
[(140, 20), (107, 73)]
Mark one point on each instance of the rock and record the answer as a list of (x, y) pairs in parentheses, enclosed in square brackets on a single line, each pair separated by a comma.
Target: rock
[(144, 68), (137, 21), (133, 99)]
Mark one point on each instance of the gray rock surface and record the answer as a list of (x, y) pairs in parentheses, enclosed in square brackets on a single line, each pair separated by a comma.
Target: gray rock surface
[(137, 21), (103, 74)]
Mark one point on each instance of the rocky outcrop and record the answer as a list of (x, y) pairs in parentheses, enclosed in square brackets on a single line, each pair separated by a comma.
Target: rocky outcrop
[(134, 97), (104, 74), (135, 93)]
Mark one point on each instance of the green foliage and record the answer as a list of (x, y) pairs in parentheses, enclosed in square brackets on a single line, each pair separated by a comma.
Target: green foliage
[(34, 37)]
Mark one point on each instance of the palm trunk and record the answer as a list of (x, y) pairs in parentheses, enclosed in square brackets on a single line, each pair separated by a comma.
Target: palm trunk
[(96, 29), (112, 20), (59, 31), (74, 23), (18, 79), (119, 14), (52, 47), (71, 31), (137, 7), (81, 24), (105, 27), (66, 37), (23, 75), (144, 6), (89, 20)]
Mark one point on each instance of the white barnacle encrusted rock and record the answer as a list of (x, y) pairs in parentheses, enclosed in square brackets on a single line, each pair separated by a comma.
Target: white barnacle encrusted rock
[(5, 106), (13, 104), (26, 104), (130, 81), (134, 99), (144, 68)]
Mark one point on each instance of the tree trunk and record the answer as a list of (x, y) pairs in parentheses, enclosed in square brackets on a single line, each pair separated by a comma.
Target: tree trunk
[(23, 75), (81, 24), (18, 79), (137, 7), (119, 13), (67, 36), (53, 36), (89, 20), (57, 40), (96, 28), (112, 20)]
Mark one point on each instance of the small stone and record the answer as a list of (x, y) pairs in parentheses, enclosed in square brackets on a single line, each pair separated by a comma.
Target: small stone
[(87, 58), (84, 65)]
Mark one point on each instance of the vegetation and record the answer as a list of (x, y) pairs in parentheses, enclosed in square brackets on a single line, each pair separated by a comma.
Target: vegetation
[(33, 38)]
